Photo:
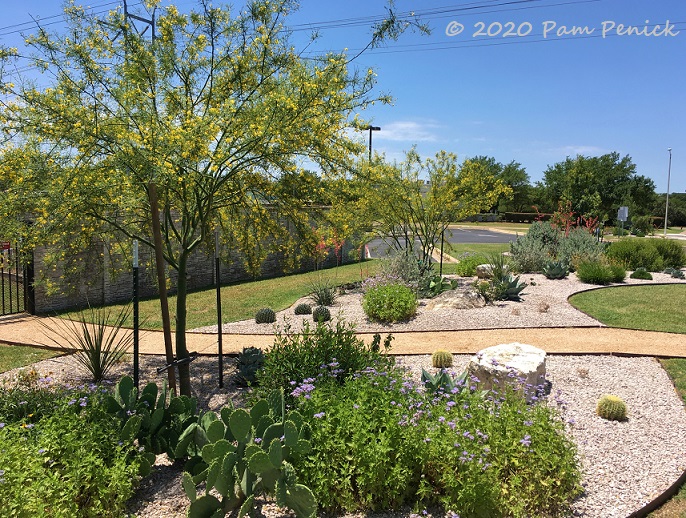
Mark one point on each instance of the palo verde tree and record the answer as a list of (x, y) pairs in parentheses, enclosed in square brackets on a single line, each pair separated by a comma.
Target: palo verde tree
[(415, 200), (195, 124)]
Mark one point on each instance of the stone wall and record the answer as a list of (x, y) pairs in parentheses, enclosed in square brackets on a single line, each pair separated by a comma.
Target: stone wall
[(95, 285)]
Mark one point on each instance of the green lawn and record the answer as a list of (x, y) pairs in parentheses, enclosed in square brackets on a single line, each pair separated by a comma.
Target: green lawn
[(650, 308), (13, 356), (242, 300)]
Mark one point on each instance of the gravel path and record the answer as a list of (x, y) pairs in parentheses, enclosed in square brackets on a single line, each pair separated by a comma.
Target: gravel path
[(625, 464), (544, 304)]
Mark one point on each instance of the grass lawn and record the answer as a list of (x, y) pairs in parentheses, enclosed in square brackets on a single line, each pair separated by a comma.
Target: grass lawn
[(242, 300), (13, 356), (651, 308), (457, 249), (521, 228)]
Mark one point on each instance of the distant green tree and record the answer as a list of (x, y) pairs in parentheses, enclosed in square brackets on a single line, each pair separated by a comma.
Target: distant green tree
[(512, 175), (598, 186)]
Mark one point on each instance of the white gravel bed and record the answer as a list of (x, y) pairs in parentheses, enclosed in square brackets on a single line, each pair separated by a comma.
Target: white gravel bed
[(625, 464), (544, 304)]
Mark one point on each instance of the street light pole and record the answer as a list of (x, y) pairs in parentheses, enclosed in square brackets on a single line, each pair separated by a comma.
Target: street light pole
[(669, 173), (371, 128)]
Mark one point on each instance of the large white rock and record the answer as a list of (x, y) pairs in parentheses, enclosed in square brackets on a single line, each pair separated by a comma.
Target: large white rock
[(494, 366), (457, 299)]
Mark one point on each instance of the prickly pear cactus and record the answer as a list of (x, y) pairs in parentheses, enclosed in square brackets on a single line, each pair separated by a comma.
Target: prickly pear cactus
[(611, 407), (241, 453), (441, 359)]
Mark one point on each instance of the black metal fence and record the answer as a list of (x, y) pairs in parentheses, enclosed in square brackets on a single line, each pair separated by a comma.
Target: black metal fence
[(13, 288)]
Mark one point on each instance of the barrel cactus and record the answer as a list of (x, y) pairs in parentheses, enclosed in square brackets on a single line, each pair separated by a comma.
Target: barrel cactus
[(441, 359), (611, 407), (265, 316), (321, 314), (303, 309)]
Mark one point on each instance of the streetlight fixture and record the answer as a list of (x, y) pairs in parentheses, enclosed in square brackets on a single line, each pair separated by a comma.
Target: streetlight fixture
[(669, 173), (371, 128)]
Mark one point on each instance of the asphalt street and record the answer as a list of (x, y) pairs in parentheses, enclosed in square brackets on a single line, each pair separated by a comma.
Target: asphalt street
[(377, 248)]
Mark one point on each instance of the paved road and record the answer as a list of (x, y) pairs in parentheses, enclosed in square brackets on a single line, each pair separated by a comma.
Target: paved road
[(377, 248)]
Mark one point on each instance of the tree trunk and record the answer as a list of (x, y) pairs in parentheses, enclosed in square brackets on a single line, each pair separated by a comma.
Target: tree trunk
[(181, 349)]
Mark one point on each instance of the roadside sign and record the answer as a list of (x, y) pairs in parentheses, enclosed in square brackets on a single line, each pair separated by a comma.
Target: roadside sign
[(623, 213)]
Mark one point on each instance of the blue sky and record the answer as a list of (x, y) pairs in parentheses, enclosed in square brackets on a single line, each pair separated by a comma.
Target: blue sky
[(526, 98)]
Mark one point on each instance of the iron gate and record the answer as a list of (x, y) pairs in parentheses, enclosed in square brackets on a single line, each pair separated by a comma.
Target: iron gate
[(14, 285)]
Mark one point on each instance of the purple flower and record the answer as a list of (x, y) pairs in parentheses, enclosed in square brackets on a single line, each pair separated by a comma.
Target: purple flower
[(319, 415), (2, 425), (356, 406), (42, 450), (526, 441), (258, 440)]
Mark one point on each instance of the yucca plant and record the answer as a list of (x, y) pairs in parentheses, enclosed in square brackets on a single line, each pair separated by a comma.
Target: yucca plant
[(98, 339)]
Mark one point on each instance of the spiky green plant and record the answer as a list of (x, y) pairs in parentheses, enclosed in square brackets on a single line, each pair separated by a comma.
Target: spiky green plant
[(442, 359), (641, 273), (321, 314), (98, 338), (611, 407), (303, 309), (555, 270)]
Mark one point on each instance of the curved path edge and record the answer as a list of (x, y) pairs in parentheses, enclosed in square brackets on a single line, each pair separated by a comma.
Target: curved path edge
[(30, 330)]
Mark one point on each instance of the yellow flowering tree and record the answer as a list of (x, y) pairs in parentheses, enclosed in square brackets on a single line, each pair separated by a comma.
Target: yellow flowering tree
[(410, 204), (190, 129)]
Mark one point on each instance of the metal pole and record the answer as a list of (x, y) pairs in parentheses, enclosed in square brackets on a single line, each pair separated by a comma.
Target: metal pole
[(669, 173), (371, 128), (440, 269), (135, 314), (219, 310)]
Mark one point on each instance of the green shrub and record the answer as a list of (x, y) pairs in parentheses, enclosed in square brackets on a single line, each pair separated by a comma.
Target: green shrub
[(441, 359), (72, 461), (265, 316), (390, 303), (323, 292), (641, 273), (466, 267), (611, 407), (321, 314), (636, 253), (303, 309), (579, 245), (533, 250), (671, 251), (600, 272), (298, 356), (642, 225), (378, 443), (544, 243)]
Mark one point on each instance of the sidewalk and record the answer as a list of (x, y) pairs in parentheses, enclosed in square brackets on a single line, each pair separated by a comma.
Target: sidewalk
[(28, 330)]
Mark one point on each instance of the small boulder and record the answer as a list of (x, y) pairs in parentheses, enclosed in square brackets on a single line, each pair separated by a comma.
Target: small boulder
[(493, 366), (485, 271), (454, 299)]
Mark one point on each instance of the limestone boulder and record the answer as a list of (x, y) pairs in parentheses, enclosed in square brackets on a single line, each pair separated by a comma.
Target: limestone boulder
[(457, 299), (506, 363)]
